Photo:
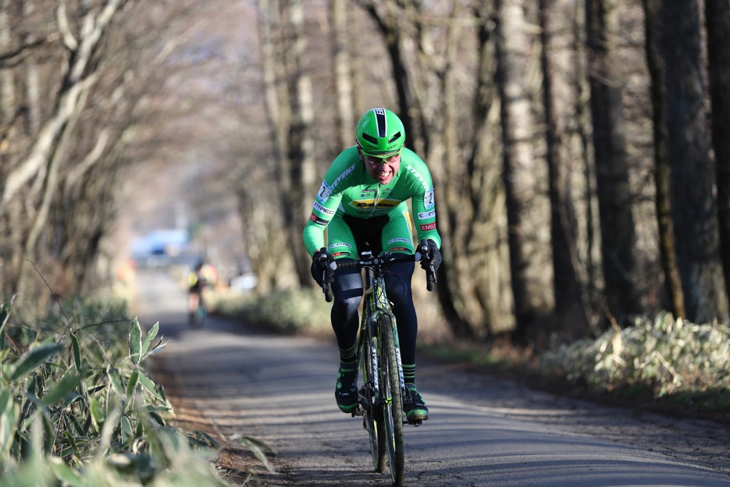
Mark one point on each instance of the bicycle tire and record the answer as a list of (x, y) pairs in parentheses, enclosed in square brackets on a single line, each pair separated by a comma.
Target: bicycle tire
[(391, 400), (372, 422)]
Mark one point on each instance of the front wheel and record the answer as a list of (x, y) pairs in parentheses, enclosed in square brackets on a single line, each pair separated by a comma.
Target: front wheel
[(391, 400), (372, 420)]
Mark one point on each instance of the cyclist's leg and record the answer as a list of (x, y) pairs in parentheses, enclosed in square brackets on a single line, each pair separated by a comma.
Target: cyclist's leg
[(347, 290), (192, 299), (396, 237), (347, 286)]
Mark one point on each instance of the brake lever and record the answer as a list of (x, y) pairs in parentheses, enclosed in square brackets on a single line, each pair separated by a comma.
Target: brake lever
[(326, 286), (430, 271)]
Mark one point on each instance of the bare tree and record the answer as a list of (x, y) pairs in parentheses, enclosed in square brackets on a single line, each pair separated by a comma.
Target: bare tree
[(79, 76), (302, 171), (343, 72), (618, 236), (390, 29), (662, 169), (693, 206), (717, 18), (566, 284), (518, 166)]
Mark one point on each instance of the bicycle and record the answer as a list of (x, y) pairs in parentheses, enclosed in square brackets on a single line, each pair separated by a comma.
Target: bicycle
[(197, 317), (383, 391)]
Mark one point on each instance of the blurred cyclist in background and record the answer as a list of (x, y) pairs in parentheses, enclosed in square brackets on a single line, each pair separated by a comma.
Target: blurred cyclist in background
[(203, 275)]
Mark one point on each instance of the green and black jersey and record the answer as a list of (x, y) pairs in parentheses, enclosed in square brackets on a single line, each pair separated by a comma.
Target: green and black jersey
[(348, 189)]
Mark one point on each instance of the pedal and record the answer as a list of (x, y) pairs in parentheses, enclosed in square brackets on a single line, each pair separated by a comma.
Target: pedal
[(415, 422), (363, 401)]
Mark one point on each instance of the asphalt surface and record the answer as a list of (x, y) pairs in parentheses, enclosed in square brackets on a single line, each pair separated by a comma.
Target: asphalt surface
[(483, 431)]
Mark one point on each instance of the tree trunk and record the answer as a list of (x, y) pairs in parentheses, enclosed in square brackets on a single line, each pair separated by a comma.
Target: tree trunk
[(279, 113), (693, 205), (662, 170), (586, 180), (301, 145), (343, 73), (449, 275), (566, 285), (618, 235), (717, 15), (391, 33), (50, 188), (518, 169)]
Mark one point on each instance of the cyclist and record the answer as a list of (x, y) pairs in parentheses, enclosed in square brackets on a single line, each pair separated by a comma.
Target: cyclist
[(362, 203), (203, 275)]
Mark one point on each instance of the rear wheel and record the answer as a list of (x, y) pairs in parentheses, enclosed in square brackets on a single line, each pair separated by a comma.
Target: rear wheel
[(390, 392)]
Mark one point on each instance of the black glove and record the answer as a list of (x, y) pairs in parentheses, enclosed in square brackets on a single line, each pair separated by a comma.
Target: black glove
[(321, 269), (434, 255)]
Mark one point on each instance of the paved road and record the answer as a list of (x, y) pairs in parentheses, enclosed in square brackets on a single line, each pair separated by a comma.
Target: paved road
[(482, 432)]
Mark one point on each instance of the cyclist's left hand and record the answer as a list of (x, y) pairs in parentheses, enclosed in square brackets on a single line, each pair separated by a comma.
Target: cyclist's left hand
[(434, 256)]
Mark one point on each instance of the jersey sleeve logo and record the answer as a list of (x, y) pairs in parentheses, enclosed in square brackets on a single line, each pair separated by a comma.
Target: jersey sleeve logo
[(428, 201), (430, 226), (324, 192), (426, 215), (318, 220), (322, 209)]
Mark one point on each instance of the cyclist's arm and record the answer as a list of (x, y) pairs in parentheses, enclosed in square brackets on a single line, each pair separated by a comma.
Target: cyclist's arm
[(423, 203), (327, 200)]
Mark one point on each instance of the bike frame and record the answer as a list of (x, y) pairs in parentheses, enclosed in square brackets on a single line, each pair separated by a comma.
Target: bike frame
[(376, 304)]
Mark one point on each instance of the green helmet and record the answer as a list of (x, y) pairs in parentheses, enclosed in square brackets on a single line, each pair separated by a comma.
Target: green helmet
[(380, 133)]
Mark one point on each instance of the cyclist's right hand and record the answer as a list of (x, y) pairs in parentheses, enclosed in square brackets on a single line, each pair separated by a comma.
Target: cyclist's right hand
[(321, 267)]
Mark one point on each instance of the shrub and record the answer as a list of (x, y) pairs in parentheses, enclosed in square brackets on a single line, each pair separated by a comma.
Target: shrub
[(288, 311), (668, 355), (78, 408)]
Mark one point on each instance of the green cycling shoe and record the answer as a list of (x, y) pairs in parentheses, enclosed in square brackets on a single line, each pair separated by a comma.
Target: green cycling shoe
[(414, 405), (346, 390)]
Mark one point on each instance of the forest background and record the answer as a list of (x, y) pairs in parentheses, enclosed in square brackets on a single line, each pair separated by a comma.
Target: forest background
[(578, 148)]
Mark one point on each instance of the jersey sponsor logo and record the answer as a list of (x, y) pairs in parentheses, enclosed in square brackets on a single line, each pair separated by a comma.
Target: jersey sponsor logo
[(394, 240), (324, 192), (340, 254), (340, 244), (400, 249), (381, 203), (426, 215), (322, 209), (318, 220), (418, 176), (430, 226), (342, 176), (428, 201)]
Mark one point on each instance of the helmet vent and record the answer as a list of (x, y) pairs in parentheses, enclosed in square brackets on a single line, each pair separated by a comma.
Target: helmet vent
[(394, 138), (370, 138)]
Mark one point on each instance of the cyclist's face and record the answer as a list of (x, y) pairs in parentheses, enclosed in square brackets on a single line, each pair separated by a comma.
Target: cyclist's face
[(381, 170)]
